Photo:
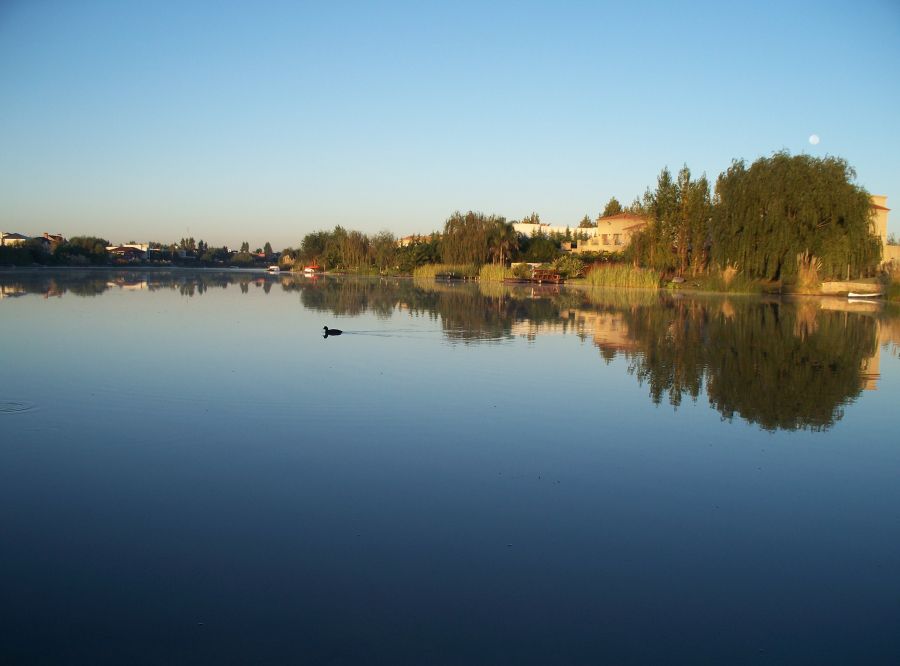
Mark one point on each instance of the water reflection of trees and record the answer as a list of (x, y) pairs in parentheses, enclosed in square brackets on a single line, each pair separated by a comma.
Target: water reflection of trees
[(777, 364), (780, 365), (95, 282)]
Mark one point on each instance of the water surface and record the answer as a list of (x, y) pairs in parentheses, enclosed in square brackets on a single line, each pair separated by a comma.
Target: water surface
[(191, 474)]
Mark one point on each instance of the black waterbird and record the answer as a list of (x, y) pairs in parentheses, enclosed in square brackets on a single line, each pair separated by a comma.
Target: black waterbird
[(331, 331)]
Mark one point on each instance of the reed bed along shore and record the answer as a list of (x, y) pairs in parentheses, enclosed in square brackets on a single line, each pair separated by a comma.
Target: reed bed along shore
[(494, 273), (446, 270), (620, 275)]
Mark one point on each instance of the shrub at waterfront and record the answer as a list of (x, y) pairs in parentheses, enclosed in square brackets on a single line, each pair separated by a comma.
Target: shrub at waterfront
[(495, 273)]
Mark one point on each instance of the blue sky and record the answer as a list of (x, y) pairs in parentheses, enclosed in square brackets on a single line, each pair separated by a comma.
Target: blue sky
[(265, 121)]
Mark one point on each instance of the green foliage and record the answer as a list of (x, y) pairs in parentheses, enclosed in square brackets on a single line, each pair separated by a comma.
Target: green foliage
[(893, 282), (243, 259), (586, 223), (503, 241), (679, 211), (569, 266), (539, 248), (784, 206), (893, 292), (418, 254), (613, 207), (523, 271), (382, 250), (82, 250), (214, 255), (343, 250), (312, 247), (476, 238)]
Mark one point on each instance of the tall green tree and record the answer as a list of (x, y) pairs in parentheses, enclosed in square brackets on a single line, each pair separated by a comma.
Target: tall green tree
[(613, 207), (586, 223), (679, 211), (312, 247), (335, 248), (467, 238), (785, 212), (383, 250), (539, 247), (504, 241)]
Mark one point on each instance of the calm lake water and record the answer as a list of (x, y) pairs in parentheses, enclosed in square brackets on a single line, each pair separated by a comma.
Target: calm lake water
[(191, 474)]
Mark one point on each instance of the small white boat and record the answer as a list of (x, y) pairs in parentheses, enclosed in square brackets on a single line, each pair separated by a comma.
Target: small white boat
[(856, 294), (273, 269)]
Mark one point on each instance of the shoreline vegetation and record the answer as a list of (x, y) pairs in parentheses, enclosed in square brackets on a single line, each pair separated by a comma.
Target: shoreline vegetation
[(785, 224)]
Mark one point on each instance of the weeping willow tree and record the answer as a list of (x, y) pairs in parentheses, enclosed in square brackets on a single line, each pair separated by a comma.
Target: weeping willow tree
[(473, 238), (788, 212)]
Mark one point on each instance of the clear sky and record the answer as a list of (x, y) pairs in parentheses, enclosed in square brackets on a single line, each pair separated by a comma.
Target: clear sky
[(264, 121)]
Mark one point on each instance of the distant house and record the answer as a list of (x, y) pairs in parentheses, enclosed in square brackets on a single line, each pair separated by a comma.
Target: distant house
[(880, 218), (415, 239), (613, 233), (127, 252), (9, 239), (49, 242)]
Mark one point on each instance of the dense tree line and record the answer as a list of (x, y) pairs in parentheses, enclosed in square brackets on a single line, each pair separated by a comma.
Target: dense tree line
[(77, 251), (341, 249), (467, 238), (781, 215)]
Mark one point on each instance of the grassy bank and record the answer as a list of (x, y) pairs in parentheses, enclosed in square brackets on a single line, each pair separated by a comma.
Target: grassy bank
[(494, 273), (716, 282), (446, 270), (620, 275)]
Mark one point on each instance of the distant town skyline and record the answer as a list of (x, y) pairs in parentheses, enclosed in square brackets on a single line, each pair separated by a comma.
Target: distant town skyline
[(233, 123)]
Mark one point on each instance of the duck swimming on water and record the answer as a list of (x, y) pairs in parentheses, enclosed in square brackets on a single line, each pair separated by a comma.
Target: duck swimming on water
[(331, 331)]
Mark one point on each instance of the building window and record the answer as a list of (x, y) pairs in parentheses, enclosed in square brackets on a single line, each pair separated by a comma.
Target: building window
[(605, 239), (617, 239)]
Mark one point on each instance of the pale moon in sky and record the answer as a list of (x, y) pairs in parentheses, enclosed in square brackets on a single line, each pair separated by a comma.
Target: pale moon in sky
[(814, 139)]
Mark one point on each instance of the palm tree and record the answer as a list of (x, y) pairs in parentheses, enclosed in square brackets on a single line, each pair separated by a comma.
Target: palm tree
[(503, 240)]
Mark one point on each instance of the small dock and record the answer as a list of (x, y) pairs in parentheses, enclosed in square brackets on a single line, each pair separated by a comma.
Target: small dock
[(541, 276)]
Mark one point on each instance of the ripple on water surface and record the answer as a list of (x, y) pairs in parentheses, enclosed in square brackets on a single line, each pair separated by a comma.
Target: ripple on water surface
[(15, 406)]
